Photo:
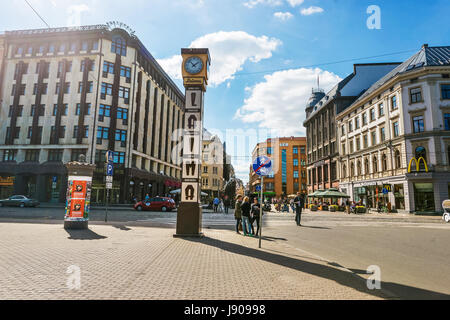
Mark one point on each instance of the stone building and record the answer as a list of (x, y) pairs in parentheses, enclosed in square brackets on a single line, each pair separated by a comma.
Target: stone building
[(86, 90), (320, 124), (394, 140)]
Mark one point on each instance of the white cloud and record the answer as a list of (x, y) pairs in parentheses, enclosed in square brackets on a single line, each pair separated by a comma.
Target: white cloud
[(229, 52), (311, 10), (279, 102), (294, 3), (74, 12), (253, 3), (283, 15)]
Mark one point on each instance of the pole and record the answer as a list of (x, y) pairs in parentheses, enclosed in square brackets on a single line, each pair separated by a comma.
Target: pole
[(106, 208), (261, 211)]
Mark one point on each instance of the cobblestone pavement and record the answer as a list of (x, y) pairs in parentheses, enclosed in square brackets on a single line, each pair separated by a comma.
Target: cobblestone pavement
[(119, 262)]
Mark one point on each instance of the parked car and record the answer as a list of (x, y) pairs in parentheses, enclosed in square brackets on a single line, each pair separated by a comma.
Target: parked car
[(156, 204), (19, 201)]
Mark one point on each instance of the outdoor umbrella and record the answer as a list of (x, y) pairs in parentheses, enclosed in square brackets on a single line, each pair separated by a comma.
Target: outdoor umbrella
[(333, 193)]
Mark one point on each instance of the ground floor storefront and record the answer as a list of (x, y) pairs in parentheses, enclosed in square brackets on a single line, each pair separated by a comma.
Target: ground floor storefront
[(423, 192), (47, 182)]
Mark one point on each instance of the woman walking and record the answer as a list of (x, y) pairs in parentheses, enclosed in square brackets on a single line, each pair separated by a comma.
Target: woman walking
[(246, 208), (238, 212)]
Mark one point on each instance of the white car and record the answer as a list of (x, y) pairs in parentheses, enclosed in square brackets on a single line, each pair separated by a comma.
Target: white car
[(446, 207)]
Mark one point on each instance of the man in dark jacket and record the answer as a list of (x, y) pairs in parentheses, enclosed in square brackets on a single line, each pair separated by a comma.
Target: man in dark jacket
[(299, 203)]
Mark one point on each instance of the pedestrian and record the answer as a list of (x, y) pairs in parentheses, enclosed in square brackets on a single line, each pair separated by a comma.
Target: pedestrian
[(256, 210), (299, 203), (292, 204), (246, 208), (216, 204), (226, 203), (221, 207), (238, 212), (147, 198)]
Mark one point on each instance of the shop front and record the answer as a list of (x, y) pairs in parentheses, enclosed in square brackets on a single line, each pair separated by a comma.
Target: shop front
[(6, 187), (424, 197)]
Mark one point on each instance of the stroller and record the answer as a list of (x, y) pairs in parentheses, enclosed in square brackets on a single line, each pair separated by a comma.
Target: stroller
[(446, 207)]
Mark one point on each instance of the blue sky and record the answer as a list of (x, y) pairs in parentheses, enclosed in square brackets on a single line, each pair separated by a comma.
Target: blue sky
[(251, 39)]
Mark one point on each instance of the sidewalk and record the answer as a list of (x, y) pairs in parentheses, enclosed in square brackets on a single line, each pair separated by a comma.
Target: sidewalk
[(118, 262)]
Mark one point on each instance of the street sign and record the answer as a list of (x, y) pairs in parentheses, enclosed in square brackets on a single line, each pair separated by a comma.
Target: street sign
[(385, 191), (55, 179), (109, 179), (258, 188), (110, 156), (109, 185), (109, 169), (262, 166)]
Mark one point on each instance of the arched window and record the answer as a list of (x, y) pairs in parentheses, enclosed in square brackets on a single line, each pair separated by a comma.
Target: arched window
[(421, 152), (352, 170), (384, 162), (375, 165), (119, 45), (359, 168), (366, 166), (398, 159), (344, 171)]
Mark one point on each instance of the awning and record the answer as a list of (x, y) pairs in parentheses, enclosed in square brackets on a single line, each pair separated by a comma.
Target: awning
[(333, 193)]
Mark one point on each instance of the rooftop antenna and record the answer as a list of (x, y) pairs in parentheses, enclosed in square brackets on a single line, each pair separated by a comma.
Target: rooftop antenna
[(318, 83)]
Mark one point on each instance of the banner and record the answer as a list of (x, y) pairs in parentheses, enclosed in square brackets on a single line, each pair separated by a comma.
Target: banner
[(78, 198)]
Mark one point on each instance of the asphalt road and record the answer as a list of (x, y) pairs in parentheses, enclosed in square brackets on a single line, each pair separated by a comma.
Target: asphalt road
[(412, 252)]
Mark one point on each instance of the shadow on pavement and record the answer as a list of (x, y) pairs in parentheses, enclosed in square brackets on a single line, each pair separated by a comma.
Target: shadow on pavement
[(86, 234), (122, 227), (313, 227), (342, 277)]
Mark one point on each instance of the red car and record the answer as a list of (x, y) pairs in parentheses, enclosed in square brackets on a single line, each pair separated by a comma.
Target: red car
[(156, 204)]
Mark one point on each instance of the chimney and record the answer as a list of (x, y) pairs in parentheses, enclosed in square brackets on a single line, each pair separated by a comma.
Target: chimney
[(425, 45)]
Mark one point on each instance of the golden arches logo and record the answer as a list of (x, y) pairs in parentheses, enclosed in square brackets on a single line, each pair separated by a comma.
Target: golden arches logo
[(417, 161)]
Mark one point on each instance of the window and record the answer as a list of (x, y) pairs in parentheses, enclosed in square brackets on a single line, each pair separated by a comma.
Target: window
[(67, 88), (76, 153), (384, 162), (269, 150), (125, 72), (100, 156), (102, 133), (122, 114), (344, 170), (382, 134), (215, 170), (394, 102), (374, 138), (415, 95), (358, 144), (350, 126), (32, 155), (84, 46), (19, 50), (125, 94), (398, 159), (351, 146), (108, 67), (95, 45), (372, 114), (295, 162), (447, 121), (119, 157), (30, 50), (55, 155), (9, 155), (62, 48), (445, 91), (365, 141), (357, 123), (381, 110), (366, 166), (396, 130), (343, 148), (295, 150), (421, 152), (104, 111), (343, 130), (295, 174), (375, 164), (205, 169), (91, 65), (90, 87), (106, 90), (303, 150), (418, 124), (41, 49), (364, 118), (51, 48), (119, 46), (44, 88), (352, 169), (121, 135)]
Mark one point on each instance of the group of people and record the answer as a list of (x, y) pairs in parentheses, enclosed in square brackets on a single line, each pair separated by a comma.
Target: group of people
[(221, 205), (246, 214)]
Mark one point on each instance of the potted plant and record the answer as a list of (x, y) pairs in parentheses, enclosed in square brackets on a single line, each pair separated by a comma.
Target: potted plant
[(313, 207), (360, 209), (334, 208), (325, 207)]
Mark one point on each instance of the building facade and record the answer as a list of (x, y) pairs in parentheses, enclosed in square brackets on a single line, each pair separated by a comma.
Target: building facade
[(86, 90), (320, 123), (213, 180), (288, 157), (394, 140)]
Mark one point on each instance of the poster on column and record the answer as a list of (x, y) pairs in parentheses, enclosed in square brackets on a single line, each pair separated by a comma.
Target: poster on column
[(78, 198)]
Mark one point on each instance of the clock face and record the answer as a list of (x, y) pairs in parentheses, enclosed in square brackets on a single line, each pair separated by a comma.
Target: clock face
[(193, 65)]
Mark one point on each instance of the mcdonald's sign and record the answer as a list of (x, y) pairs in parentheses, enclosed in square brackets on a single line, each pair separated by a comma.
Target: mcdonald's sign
[(417, 161)]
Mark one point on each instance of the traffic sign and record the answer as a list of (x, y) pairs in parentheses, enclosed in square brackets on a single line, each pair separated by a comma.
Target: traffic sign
[(110, 156), (385, 191), (109, 179), (262, 166), (258, 188), (109, 169), (109, 185), (55, 179)]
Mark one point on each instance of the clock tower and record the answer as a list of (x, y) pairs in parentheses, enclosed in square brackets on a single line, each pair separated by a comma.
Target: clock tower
[(195, 71)]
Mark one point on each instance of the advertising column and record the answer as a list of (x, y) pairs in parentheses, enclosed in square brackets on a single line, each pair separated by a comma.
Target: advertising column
[(78, 196)]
